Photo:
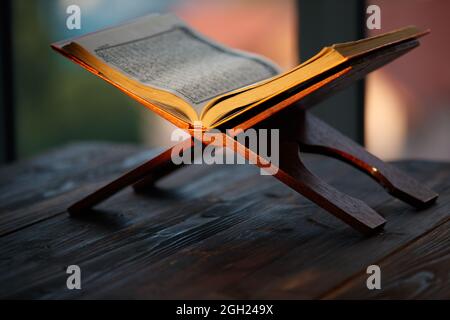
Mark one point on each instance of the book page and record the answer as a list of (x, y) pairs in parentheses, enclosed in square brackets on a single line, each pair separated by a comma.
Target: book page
[(162, 52)]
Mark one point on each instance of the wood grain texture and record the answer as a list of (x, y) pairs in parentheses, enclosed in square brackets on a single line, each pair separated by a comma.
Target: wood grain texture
[(421, 270), (230, 233), (33, 192)]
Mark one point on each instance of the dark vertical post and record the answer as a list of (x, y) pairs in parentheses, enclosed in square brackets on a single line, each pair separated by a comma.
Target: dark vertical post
[(7, 136), (324, 22)]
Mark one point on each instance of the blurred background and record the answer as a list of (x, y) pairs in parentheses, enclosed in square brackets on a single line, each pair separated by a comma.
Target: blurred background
[(401, 111)]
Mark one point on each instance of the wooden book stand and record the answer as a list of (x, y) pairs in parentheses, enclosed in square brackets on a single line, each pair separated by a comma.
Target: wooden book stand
[(301, 131), (306, 133)]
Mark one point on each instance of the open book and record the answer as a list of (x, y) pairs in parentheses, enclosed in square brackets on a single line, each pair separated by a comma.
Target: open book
[(168, 67)]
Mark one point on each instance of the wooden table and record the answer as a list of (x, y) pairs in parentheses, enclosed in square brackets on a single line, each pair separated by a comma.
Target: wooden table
[(219, 231)]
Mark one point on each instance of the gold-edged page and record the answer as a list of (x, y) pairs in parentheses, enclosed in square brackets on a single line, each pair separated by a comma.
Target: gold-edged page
[(186, 69), (236, 104), (239, 91), (364, 46), (224, 108)]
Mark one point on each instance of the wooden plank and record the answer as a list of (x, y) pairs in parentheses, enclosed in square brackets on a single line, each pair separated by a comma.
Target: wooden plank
[(281, 253), (49, 173), (159, 222), (229, 233), (45, 186), (418, 271)]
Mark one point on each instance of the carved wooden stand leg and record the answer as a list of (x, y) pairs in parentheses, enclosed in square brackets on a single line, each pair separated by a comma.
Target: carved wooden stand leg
[(353, 211), (317, 137), (150, 171), (312, 135)]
